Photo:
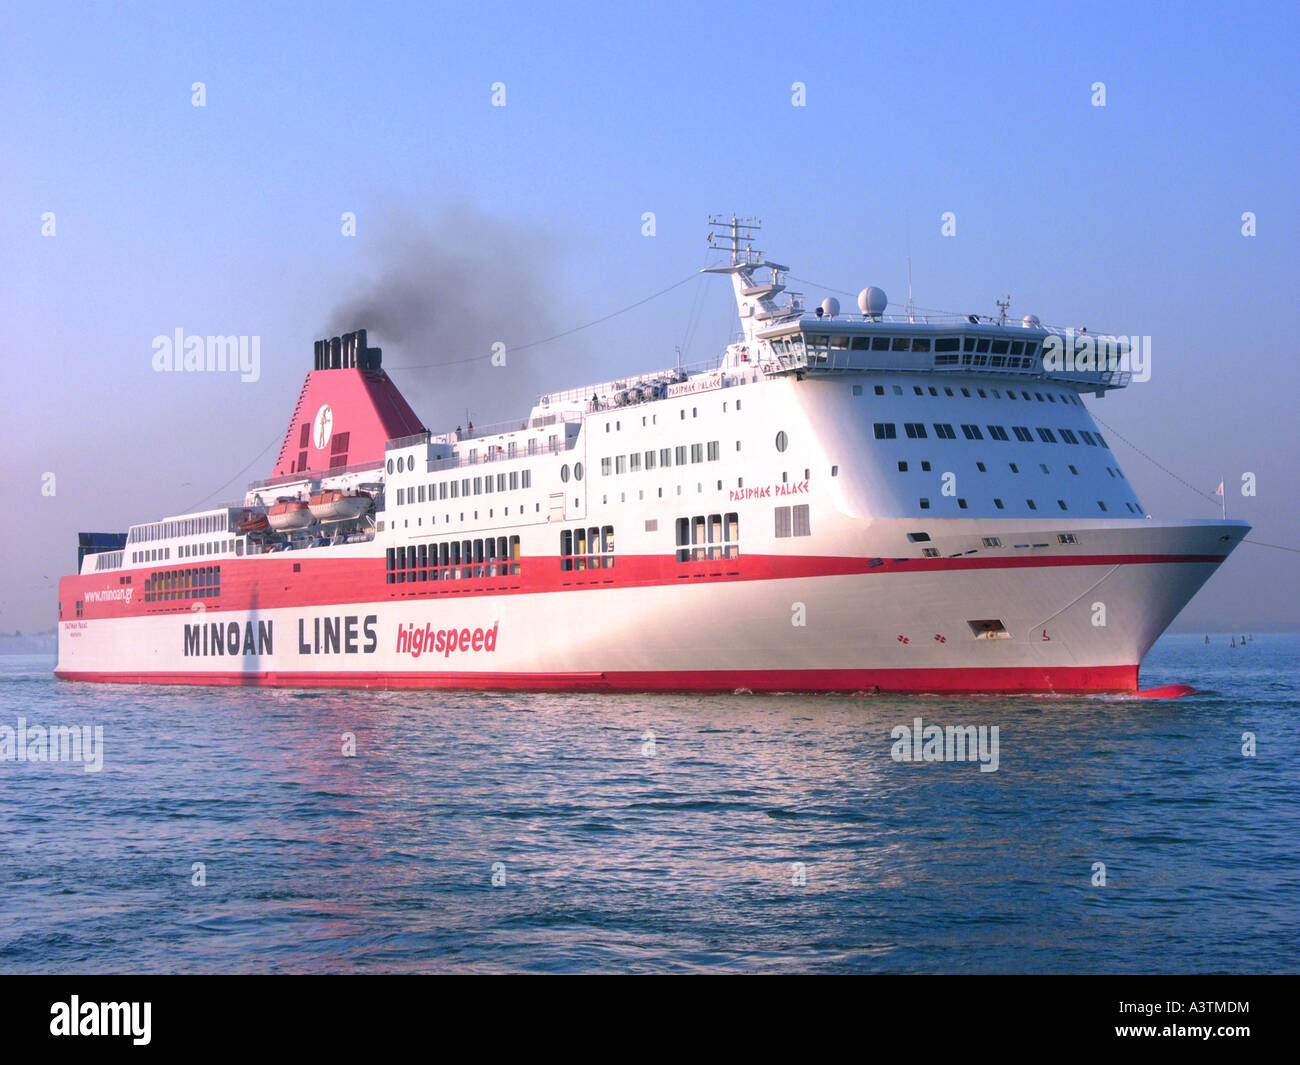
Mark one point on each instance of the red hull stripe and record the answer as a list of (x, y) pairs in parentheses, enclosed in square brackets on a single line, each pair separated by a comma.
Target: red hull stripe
[(269, 582), (1028, 680)]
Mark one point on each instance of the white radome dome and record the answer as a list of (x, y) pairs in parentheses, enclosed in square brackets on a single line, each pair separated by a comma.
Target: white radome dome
[(872, 301), (830, 306)]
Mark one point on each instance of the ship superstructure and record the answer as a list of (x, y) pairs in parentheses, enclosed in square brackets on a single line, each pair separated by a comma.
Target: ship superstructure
[(841, 502)]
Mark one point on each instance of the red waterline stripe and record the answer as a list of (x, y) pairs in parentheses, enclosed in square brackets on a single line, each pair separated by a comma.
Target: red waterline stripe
[(326, 582)]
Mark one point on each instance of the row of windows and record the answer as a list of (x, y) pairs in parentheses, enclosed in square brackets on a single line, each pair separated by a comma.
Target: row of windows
[(491, 453), (164, 530), (948, 390), (653, 419), (1012, 466), (665, 457), (1032, 505), (820, 343), (212, 547), (453, 560), (945, 431), (793, 521), (1010, 362), (196, 582), (708, 536), (152, 554), (502, 482), (587, 548)]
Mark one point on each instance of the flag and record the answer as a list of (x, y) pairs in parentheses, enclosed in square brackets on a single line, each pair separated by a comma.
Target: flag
[(1219, 491)]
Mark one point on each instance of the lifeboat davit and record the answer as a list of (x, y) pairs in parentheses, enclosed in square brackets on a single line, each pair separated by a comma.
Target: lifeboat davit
[(287, 515), (336, 504)]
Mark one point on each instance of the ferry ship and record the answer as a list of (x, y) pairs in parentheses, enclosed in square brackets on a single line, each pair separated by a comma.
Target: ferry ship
[(860, 502)]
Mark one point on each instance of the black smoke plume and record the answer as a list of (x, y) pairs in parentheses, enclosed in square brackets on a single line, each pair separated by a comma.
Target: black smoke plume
[(441, 293)]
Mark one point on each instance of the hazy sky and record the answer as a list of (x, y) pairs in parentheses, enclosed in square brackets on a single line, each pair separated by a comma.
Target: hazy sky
[(521, 221)]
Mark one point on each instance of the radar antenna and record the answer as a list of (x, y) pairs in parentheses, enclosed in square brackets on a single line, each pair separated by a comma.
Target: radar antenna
[(734, 235), (1003, 304)]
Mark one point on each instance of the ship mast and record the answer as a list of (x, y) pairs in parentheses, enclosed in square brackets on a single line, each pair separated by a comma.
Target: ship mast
[(755, 297)]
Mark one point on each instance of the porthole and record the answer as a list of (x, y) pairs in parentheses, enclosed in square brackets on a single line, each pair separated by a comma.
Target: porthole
[(577, 471), (781, 440), (390, 465), (564, 472)]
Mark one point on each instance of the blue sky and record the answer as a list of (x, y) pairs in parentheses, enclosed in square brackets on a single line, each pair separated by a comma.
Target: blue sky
[(226, 218)]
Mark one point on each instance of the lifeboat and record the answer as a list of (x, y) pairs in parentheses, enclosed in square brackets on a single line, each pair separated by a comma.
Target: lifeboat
[(287, 515), (251, 522), (336, 504)]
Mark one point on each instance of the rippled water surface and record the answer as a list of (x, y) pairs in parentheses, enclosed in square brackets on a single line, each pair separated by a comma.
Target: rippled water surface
[(679, 853)]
